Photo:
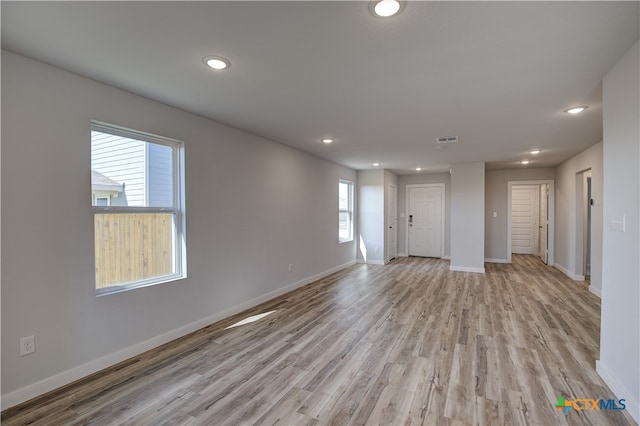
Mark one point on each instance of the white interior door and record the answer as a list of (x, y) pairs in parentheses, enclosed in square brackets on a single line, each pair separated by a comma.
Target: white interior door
[(525, 213), (544, 223), (425, 221), (392, 219)]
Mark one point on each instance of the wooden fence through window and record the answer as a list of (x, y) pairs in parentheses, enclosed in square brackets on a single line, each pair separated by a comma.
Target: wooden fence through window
[(132, 247)]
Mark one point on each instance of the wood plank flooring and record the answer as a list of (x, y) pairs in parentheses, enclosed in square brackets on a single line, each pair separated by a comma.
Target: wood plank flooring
[(410, 343)]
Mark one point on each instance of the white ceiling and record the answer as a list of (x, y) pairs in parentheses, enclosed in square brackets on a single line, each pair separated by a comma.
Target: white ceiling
[(496, 74)]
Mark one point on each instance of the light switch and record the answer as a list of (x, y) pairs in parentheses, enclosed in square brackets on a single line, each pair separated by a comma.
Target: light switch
[(495, 214)]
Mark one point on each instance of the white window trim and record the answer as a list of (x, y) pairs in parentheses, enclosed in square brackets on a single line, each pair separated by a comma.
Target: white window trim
[(178, 209), (349, 211)]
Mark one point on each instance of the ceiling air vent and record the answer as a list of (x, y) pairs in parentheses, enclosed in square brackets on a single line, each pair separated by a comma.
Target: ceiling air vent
[(447, 140)]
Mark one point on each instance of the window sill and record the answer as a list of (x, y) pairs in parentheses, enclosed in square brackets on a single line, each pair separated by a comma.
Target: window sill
[(104, 291)]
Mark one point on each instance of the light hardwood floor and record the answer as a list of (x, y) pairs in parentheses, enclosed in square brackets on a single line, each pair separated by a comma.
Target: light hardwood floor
[(407, 343)]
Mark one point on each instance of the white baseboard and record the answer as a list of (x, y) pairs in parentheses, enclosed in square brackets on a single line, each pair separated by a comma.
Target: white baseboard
[(595, 291), (446, 257), (569, 273), (619, 390), (466, 269), (490, 260), (33, 390)]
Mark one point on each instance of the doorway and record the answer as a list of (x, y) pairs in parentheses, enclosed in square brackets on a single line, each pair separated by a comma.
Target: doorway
[(587, 249), (583, 225), (425, 220), (392, 219), (530, 219), (543, 237)]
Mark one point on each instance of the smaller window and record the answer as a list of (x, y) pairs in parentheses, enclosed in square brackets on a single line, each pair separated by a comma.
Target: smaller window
[(102, 201), (345, 211)]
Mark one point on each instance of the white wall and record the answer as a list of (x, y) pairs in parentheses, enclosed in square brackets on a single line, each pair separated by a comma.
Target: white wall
[(371, 214), (569, 215), (619, 363), (496, 200), (426, 178), (467, 217), (253, 208)]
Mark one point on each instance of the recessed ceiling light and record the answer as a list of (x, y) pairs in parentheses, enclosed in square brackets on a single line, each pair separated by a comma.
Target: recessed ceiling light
[(376, 164), (216, 62), (418, 169), (535, 152), (575, 110), (525, 162), (385, 8), (327, 140)]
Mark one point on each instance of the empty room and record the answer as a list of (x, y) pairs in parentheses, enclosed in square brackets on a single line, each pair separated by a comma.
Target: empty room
[(324, 213)]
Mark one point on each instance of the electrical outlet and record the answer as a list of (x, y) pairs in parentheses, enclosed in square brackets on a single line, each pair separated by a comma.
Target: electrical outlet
[(290, 267), (27, 345)]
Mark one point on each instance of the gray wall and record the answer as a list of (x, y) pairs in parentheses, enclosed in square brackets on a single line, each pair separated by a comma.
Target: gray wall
[(371, 216), (389, 179), (253, 208), (570, 211), (496, 200), (619, 362), (403, 181), (467, 217)]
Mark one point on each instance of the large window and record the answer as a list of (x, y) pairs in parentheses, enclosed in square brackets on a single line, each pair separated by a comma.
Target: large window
[(138, 208), (345, 211)]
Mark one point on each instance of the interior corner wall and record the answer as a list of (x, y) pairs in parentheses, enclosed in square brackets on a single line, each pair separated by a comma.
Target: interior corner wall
[(253, 207), (371, 216), (569, 227), (496, 200), (420, 179), (467, 217), (390, 178), (619, 363)]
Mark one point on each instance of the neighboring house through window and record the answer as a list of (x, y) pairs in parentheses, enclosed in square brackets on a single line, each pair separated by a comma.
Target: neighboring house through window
[(104, 189), (136, 185)]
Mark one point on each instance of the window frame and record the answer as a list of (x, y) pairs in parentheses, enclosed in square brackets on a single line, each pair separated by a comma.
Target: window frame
[(178, 209), (349, 210)]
